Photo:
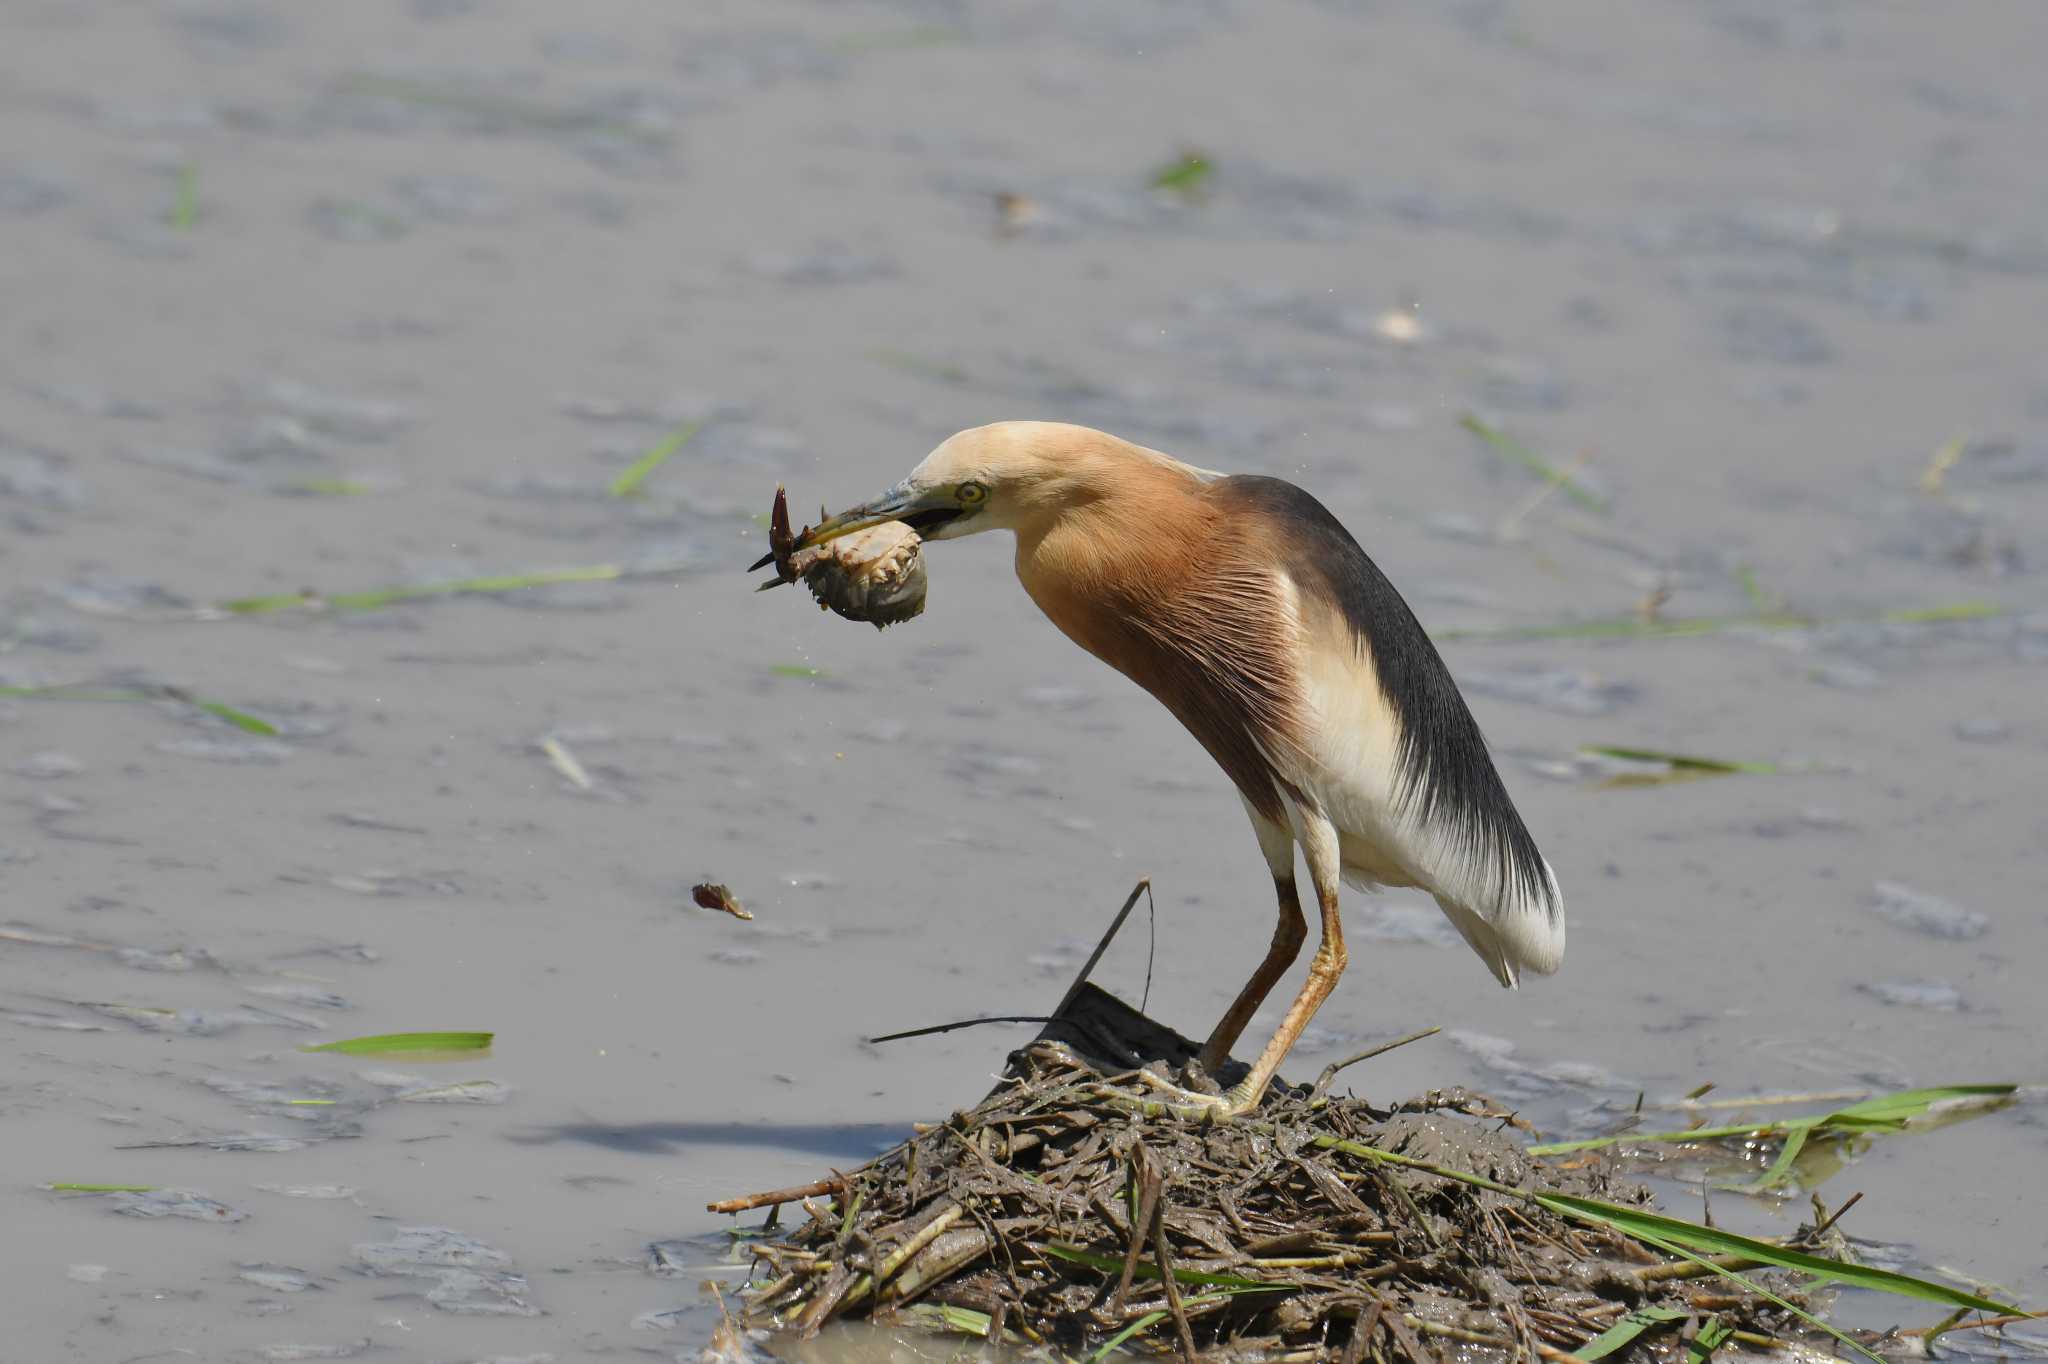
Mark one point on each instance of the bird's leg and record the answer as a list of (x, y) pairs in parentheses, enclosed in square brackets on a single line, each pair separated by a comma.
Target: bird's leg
[(1288, 936), (1319, 843), (1319, 846)]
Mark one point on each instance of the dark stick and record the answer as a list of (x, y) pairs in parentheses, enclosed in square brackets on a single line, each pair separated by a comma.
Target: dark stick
[(1151, 945), (1821, 1230), (1074, 990), (963, 1023)]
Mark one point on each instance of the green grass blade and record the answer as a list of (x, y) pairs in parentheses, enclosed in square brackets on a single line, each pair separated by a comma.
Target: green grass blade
[(1658, 1230), (387, 596), (1714, 1333), (1684, 627), (418, 1045), (1781, 1168), (1655, 1228), (185, 199), (1963, 610), (1187, 173), (1887, 1112), (241, 720), (1144, 1323), (1513, 450), (256, 606), (1682, 761), (101, 1188), (1631, 1325), (946, 1317), (1752, 1286), (628, 483), (1914, 1103), (1114, 1264)]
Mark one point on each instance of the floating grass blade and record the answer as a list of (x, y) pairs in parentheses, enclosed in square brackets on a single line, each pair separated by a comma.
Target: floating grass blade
[(420, 1046), (1685, 627), (1509, 448), (628, 483), (1680, 760), (1962, 610), (101, 1188), (795, 670), (1765, 603), (241, 720), (1187, 173), (387, 596), (184, 215), (1676, 767), (1884, 1113), (1945, 458)]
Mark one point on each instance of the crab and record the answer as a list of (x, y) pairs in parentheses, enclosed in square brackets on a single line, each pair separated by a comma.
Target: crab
[(874, 575)]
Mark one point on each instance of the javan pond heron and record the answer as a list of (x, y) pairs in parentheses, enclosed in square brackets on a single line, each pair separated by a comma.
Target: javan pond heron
[(1248, 611)]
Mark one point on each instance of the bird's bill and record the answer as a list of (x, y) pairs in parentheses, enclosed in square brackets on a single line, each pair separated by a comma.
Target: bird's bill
[(921, 509)]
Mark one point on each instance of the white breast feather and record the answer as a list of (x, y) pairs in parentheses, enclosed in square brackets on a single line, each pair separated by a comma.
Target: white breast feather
[(1353, 740)]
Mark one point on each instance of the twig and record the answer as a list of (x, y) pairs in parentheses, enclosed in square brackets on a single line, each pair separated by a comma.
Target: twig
[(892, 1262), (962, 1023), (1836, 1215), (1361, 1332), (1074, 990), (1330, 1071), (836, 1184), (1149, 1184), (1151, 944), (1165, 1255)]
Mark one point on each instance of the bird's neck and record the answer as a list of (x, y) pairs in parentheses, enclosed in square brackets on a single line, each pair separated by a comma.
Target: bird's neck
[(1108, 554)]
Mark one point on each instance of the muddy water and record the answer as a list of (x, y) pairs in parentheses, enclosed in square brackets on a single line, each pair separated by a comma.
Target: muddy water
[(356, 296)]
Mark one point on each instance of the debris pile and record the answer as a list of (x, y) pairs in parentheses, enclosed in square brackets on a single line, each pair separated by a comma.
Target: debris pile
[(1064, 1212)]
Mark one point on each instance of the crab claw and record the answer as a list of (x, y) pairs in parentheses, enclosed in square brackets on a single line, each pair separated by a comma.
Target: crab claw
[(780, 540)]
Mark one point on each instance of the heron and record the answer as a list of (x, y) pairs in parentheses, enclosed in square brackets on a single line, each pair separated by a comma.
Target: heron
[(1246, 609)]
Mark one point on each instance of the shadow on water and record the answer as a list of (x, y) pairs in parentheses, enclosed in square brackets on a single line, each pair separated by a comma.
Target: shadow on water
[(862, 1139)]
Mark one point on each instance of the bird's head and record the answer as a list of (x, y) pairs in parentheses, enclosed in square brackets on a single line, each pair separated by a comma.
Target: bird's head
[(1007, 476)]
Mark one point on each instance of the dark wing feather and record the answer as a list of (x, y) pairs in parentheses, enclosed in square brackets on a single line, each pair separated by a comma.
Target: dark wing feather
[(1447, 778)]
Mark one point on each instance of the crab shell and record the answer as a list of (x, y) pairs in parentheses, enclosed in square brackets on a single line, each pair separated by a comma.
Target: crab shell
[(875, 575)]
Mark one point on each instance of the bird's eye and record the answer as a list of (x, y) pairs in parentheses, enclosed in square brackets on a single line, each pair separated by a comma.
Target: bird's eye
[(971, 494)]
